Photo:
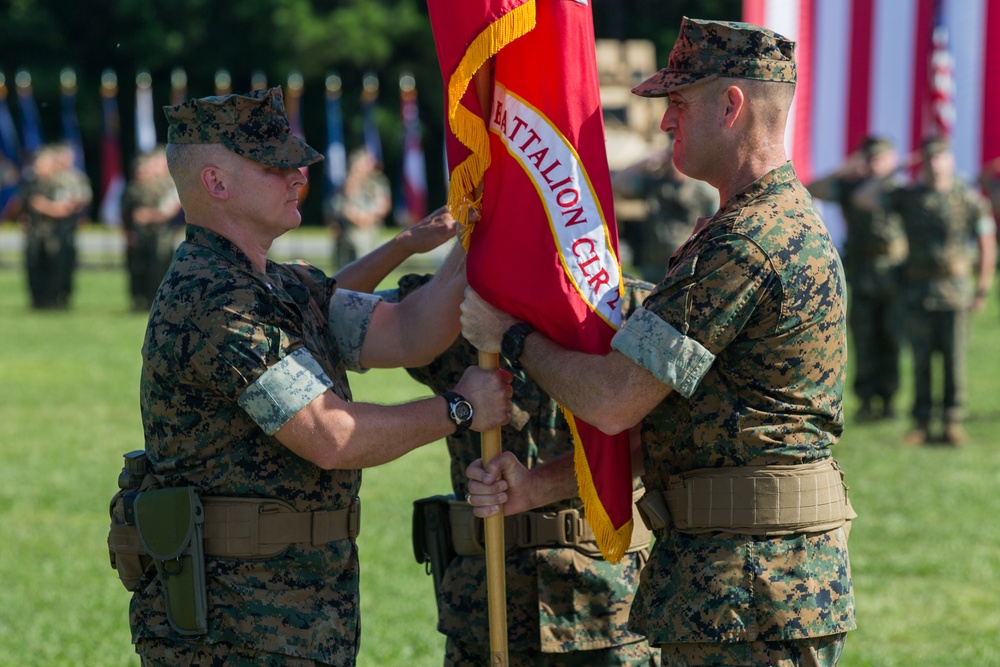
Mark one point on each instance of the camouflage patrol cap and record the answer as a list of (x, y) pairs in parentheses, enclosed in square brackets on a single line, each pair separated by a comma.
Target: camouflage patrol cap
[(706, 50), (934, 146), (872, 146), (254, 126)]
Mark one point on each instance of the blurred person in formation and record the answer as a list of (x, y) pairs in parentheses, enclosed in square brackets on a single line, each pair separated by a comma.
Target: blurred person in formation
[(674, 202), (151, 211), (56, 194), (875, 249), (942, 217), (733, 369), (358, 211), (248, 504)]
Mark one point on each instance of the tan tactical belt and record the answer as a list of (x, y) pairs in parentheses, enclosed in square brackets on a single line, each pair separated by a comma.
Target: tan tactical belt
[(752, 500), (264, 527), (564, 528)]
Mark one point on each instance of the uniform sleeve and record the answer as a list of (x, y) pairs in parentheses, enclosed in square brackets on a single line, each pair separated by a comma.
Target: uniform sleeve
[(349, 318), (696, 312), (248, 353)]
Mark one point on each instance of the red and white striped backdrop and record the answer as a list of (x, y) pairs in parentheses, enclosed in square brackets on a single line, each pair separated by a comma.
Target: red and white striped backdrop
[(863, 70)]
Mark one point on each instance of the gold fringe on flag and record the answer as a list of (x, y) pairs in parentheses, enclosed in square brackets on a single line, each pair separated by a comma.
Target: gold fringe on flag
[(464, 199), (613, 542)]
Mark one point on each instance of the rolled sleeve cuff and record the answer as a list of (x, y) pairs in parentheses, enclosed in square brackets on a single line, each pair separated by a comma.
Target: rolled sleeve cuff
[(675, 359), (350, 315), (284, 389)]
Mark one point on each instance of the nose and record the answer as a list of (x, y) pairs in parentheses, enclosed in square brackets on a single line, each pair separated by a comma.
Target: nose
[(669, 121), (298, 177)]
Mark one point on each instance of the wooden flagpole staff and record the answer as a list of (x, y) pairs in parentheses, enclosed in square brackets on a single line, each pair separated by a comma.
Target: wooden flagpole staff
[(496, 574)]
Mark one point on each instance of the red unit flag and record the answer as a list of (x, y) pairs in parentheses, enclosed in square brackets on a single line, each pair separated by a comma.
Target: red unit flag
[(545, 247)]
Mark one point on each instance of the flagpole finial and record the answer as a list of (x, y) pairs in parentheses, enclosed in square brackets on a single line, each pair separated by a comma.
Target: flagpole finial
[(258, 80), (223, 82), (407, 83), (143, 79), (295, 82), (22, 79), (369, 86), (178, 78), (333, 84), (67, 80), (109, 83)]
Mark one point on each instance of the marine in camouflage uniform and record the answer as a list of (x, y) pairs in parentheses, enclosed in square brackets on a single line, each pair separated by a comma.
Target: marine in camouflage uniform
[(563, 606), (735, 361), (358, 211), (940, 221), (674, 203), (234, 352), (150, 209), (875, 249), (55, 195)]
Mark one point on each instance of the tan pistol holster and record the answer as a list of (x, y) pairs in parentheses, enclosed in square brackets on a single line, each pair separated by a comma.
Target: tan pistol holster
[(770, 500), (563, 528)]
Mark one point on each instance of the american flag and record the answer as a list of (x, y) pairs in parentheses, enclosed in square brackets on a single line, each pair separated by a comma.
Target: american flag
[(942, 101), (865, 68)]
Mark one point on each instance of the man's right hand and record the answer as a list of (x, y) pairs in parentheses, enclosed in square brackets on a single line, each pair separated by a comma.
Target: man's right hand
[(503, 481), (489, 392)]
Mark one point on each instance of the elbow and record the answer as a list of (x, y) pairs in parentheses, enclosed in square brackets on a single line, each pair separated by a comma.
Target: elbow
[(613, 421)]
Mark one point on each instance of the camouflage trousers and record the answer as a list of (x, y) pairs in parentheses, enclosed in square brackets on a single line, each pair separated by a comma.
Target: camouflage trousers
[(942, 333), (876, 323), (638, 654), (166, 653), (814, 652)]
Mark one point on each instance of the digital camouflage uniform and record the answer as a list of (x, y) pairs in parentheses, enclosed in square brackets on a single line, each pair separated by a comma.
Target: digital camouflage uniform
[(673, 206), (559, 601), (50, 246), (938, 292), (352, 241), (749, 329), (149, 257), (229, 356), (875, 248)]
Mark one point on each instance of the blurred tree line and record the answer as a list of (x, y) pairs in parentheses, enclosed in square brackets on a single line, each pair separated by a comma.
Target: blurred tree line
[(276, 37)]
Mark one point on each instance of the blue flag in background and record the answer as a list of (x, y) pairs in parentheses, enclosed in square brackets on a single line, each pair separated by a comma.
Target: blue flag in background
[(10, 147), (369, 95), (336, 152), (70, 125), (31, 123)]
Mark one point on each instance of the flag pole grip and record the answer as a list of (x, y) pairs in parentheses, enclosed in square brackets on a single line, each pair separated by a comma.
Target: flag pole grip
[(496, 581)]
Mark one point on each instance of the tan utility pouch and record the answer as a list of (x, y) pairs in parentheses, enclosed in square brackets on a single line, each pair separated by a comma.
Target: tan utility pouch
[(250, 528), (563, 528), (768, 500), (169, 524)]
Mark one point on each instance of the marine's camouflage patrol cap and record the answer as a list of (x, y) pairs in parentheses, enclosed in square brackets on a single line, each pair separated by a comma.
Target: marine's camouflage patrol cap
[(706, 50), (254, 126), (934, 145)]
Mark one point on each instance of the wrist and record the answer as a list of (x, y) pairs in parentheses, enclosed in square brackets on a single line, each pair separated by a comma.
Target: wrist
[(459, 411)]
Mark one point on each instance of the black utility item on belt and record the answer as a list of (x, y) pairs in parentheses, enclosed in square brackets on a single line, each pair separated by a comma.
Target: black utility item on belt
[(432, 545)]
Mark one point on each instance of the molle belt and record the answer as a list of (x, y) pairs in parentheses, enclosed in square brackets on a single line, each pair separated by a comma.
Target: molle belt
[(264, 527), (553, 529), (767, 500)]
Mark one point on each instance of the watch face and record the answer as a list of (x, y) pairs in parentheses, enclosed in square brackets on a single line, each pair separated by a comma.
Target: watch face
[(463, 410)]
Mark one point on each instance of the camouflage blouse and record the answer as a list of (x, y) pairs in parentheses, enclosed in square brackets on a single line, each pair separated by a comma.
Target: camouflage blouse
[(229, 356), (748, 327)]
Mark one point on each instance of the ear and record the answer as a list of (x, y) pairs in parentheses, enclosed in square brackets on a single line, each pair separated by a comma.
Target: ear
[(735, 104), (213, 179)]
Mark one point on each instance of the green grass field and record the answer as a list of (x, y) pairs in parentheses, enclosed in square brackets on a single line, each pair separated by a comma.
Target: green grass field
[(925, 551)]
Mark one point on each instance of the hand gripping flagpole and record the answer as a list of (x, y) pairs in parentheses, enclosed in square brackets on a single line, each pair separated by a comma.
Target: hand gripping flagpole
[(496, 573)]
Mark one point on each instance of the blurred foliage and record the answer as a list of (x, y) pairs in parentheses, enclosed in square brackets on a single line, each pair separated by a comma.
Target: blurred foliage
[(273, 37)]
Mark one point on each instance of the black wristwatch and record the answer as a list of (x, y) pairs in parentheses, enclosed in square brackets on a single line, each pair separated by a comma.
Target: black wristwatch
[(512, 343), (459, 411)]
